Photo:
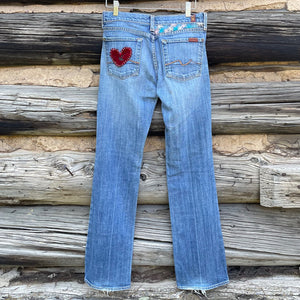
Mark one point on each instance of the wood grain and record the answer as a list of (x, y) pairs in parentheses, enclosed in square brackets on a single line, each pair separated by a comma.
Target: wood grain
[(236, 108), (65, 177), (280, 185), (70, 38), (269, 283), (56, 235)]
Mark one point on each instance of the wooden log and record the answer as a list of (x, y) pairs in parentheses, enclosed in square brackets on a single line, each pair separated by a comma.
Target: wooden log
[(236, 108), (269, 283), (46, 176), (252, 37), (65, 177), (280, 185), (28, 177), (56, 235), (255, 107), (68, 38), (47, 110)]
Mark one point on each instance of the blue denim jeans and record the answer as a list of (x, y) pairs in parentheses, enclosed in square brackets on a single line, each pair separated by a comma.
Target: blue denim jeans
[(145, 57)]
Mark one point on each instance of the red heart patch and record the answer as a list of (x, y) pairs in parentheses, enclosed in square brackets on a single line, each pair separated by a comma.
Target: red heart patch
[(120, 58)]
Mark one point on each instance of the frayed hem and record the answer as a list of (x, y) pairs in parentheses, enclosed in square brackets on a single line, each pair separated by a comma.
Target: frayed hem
[(107, 289), (203, 288), (201, 293)]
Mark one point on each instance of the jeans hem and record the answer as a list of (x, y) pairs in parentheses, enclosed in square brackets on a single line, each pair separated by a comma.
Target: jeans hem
[(184, 287), (116, 288)]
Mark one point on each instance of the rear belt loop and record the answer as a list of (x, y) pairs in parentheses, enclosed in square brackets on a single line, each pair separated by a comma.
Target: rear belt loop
[(205, 20), (152, 23)]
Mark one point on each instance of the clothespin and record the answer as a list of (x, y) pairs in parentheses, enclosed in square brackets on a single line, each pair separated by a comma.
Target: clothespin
[(188, 9), (116, 7)]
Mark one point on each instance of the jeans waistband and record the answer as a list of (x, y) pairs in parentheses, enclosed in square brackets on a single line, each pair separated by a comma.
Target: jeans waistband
[(153, 20)]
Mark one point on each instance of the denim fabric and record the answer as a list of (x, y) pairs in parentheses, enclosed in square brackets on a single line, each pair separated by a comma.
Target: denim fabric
[(163, 56)]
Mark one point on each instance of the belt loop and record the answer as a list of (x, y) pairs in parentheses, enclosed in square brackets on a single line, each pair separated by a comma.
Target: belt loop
[(152, 22), (102, 20), (205, 20)]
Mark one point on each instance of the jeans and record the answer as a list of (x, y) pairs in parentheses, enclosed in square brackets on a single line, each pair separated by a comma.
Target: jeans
[(145, 57)]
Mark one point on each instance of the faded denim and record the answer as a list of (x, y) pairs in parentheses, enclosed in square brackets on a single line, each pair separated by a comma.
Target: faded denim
[(168, 60)]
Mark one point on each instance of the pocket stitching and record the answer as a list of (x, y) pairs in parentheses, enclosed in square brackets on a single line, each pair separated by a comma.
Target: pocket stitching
[(136, 64), (168, 70)]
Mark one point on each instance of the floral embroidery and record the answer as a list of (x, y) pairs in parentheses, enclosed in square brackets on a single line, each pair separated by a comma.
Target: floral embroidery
[(120, 58), (176, 27)]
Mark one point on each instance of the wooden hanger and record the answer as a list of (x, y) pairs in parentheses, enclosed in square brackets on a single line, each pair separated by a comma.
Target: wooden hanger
[(116, 6)]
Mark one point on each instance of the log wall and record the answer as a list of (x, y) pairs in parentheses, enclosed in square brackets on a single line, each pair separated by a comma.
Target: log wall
[(49, 75)]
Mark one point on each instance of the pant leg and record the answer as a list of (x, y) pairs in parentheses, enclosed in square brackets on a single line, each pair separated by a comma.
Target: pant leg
[(198, 248), (124, 113)]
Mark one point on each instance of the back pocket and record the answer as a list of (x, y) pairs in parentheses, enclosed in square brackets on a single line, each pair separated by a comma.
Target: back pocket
[(183, 57), (123, 56)]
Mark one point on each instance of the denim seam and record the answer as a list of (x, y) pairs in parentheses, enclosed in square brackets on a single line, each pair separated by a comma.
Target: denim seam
[(118, 288), (203, 288), (184, 78), (144, 18), (200, 27), (121, 39), (168, 69), (185, 117), (87, 248), (200, 22), (124, 19), (205, 20), (180, 18), (133, 31), (185, 30), (185, 102), (154, 57), (158, 22)]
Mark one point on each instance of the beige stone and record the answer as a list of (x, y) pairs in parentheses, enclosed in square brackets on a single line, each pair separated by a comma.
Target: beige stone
[(47, 143), (154, 143), (244, 76), (57, 143), (290, 75), (255, 72), (293, 5), (212, 5), (48, 75), (88, 75), (219, 5), (239, 143), (225, 144), (68, 8), (248, 76)]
